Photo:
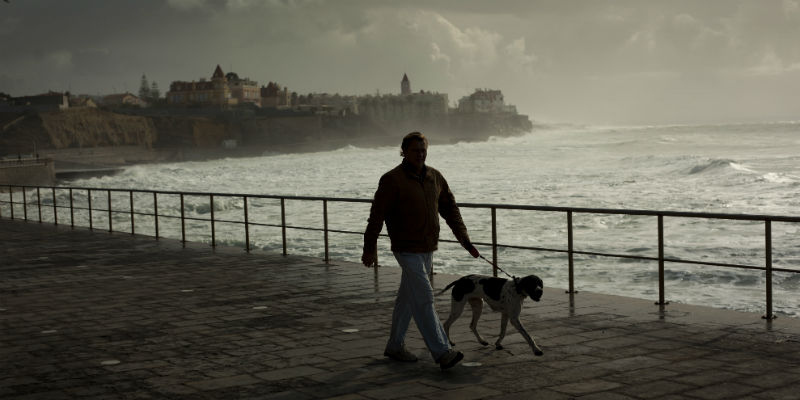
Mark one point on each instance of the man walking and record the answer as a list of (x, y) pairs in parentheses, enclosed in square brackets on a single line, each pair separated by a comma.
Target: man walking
[(410, 199)]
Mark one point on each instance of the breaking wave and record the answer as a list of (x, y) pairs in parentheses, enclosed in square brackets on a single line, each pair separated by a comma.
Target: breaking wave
[(715, 165)]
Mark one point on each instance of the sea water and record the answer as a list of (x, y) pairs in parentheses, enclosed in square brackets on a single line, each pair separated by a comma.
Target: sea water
[(735, 169)]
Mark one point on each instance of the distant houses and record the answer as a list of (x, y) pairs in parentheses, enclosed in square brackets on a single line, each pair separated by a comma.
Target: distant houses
[(123, 99), (59, 101), (50, 101), (224, 90), (485, 101)]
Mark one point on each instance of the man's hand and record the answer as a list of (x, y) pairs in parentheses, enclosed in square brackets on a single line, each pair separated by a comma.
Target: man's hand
[(472, 250), (369, 258)]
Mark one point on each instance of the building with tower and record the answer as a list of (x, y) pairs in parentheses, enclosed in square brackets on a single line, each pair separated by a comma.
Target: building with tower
[(405, 86), (420, 106), (221, 90)]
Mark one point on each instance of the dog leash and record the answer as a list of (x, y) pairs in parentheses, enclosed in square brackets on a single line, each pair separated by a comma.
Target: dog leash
[(498, 267)]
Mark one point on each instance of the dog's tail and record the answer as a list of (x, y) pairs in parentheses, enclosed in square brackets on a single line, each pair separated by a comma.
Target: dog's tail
[(446, 288)]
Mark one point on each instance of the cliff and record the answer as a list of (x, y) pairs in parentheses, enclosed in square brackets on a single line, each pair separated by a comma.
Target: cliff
[(76, 128)]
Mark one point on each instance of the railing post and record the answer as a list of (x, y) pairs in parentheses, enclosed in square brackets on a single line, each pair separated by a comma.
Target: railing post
[(661, 300), (494, 241), (55, 207), (91, 223), (110, 226), (571, 254), (283, 223), (71, 210), (39, 203), (768, 247), (183, 223), (155, 212), (133, 229), (11, 200), (213, 233), (246, 227), (25, 202), (325, 227)]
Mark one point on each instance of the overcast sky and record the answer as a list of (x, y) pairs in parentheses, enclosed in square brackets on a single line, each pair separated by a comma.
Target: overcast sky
[(592, 61)]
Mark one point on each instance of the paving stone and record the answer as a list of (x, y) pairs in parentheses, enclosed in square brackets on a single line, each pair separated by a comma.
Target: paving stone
[(633, 363), (705, 378), (586, 387), (228, 381), (467, 393), (727, 390), (288, 373), (656, 389), (772, 380), (401, 390)]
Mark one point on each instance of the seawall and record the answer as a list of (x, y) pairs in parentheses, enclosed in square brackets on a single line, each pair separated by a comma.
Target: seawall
[(28, 171)]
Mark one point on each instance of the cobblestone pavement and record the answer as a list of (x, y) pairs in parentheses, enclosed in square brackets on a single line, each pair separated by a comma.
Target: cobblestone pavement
[(96, 315)]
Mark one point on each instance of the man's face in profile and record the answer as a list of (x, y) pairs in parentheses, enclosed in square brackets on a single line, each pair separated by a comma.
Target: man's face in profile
[(416, 153)]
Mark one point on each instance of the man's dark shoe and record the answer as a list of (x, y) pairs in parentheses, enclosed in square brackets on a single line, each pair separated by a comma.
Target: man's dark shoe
[(450, 359), (400, 354)]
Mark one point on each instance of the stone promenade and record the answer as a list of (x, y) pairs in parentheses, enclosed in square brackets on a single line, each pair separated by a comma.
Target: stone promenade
[(111, 316)]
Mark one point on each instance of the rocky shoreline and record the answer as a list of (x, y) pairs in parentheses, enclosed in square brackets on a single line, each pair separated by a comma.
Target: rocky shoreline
[(92, 140)]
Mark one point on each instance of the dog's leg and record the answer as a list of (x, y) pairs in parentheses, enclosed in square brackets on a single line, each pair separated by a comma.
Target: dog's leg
[(503, 324), (456, 308), (477, 308), (517, 324)]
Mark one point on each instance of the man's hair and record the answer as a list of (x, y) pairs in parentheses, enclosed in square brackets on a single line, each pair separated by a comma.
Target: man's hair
[(413, 136)]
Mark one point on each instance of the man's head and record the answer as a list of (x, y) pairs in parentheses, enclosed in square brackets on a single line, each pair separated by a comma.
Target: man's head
[(414, 149)]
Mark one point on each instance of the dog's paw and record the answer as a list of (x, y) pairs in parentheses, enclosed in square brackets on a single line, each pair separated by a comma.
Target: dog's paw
[(538, 352), (483, 342), (498, 346)]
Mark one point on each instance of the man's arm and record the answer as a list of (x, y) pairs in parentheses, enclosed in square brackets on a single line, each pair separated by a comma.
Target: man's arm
[(377, 214)]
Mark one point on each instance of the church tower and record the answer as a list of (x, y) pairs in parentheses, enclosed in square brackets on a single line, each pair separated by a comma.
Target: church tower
[(405, 85)]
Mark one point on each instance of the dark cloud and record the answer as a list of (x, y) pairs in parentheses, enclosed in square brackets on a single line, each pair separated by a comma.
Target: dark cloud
[(596, 61)]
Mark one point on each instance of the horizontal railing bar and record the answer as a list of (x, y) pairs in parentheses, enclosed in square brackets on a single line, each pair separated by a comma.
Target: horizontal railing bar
[(350, 232), (204, 194), (651, 213), (686, 214), (628, 256), (715, 264)]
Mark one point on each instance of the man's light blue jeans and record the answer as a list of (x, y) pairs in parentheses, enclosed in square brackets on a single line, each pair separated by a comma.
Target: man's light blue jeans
[(415, 299)]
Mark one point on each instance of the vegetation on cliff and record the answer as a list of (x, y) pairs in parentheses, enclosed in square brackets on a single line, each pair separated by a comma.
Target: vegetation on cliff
[(76, 128)]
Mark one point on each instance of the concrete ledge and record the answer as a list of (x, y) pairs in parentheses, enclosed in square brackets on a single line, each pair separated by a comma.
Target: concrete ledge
[(31, 171), (96, 315)]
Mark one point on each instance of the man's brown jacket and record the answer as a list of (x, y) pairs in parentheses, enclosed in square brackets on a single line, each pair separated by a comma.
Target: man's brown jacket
[(411, 204)]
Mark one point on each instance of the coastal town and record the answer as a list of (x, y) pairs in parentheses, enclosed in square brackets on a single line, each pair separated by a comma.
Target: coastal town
[(226, 115), (225, 91)]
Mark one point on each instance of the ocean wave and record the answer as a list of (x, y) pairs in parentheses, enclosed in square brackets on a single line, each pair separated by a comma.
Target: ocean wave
[(775, 177), (717, 164)]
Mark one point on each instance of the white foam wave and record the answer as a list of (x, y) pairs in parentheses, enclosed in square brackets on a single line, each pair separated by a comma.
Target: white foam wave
[(740, 167), (775, 177)]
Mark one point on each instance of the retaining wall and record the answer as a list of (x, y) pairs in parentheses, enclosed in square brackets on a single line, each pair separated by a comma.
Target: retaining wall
[(28, 172)]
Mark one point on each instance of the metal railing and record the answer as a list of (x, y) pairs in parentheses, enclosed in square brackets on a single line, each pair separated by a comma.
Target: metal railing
[(24, 162), (570, 250)]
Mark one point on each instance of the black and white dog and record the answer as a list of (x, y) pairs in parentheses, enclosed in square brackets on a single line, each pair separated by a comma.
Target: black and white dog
[(501, 295)]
